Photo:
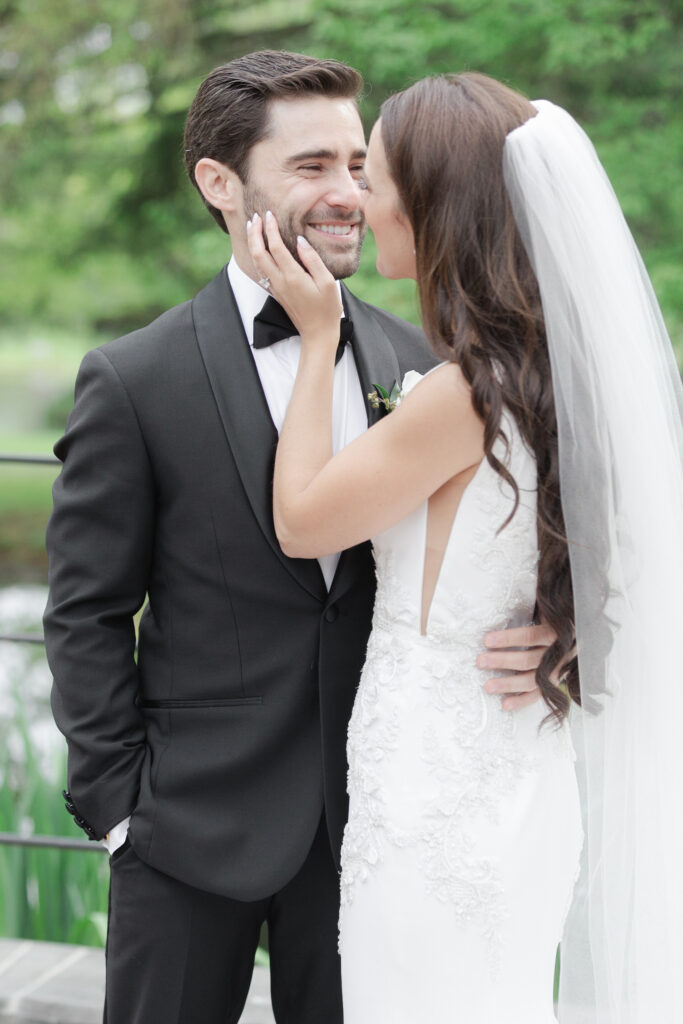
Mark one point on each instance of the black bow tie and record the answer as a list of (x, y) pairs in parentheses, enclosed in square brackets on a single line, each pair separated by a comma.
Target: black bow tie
[(272, 324)]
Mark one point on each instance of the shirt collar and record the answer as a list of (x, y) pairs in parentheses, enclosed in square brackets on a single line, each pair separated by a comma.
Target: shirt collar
[(249, 296)]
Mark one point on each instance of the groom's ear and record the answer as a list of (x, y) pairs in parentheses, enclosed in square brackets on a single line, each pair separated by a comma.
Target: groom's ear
[(219, 185)]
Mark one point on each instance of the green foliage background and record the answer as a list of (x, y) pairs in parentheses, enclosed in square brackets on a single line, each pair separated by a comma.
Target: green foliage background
[(99, 228)]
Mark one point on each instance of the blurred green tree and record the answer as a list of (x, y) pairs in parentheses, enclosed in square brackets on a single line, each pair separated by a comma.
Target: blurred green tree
[(614, 64), (99, 228)]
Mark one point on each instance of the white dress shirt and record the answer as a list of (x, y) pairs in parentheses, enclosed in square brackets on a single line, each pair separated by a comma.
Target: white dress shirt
[(276, 366)]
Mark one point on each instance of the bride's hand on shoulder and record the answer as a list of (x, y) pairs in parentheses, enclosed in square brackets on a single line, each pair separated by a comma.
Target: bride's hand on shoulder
[(308, 294)]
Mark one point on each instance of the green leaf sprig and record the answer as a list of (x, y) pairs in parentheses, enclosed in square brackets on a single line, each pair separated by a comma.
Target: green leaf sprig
[(381, 397)]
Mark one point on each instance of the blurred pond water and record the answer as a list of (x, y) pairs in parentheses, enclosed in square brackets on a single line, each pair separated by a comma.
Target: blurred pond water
[(25, 688)]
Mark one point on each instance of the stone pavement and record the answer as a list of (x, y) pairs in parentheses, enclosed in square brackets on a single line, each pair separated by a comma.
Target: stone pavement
[(52, 983)]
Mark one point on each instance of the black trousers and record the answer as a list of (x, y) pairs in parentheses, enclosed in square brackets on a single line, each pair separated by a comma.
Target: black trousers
[(178, 955)]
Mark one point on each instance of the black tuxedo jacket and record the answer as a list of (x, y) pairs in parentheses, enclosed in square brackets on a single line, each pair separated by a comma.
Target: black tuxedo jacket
[(225, 736)]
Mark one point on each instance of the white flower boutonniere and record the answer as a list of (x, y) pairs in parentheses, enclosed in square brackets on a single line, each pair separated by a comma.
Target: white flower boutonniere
[(394, 396), (409, 381)]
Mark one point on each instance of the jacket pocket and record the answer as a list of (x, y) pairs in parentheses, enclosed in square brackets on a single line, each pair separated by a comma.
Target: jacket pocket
[(226, 702)]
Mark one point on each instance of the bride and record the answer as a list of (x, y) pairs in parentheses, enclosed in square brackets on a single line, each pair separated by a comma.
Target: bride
[(537, 467)]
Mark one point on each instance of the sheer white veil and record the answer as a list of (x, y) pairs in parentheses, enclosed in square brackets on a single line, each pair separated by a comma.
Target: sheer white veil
[(619, 401)]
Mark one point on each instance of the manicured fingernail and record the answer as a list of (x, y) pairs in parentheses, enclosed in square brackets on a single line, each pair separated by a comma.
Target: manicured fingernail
[(269, 215), (483, 660), (493, 639), (248, 225), (490, 686), (303, 242)]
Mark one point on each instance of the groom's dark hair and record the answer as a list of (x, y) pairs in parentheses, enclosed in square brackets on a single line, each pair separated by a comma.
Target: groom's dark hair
[(229, 114)]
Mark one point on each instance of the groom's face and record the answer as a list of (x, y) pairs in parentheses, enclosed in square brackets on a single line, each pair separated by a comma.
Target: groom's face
[(307, 171)]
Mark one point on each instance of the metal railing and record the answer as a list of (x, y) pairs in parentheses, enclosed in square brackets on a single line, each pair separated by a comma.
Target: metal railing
[(50, 842), (12, 838), (31, 460)]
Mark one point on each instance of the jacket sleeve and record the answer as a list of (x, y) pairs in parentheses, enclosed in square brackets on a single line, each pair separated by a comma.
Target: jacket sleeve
[(99, 542)]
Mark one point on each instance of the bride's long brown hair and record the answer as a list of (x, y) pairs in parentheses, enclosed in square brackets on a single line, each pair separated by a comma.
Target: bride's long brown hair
[(480, 301)]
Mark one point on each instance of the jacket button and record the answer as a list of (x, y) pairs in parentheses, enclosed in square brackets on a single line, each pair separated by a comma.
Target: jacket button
[(331, 613)]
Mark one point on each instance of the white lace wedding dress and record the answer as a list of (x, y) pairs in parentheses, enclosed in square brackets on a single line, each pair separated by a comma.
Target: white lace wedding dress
[(464, 832)]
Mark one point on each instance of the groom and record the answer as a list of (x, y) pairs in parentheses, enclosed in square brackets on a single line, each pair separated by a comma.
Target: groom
[(212, 761)]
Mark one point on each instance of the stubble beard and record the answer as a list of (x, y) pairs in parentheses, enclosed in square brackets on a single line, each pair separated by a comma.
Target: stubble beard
[(340, 265)]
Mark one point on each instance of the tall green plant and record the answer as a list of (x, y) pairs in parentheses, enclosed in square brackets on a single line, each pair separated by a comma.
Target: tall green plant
[(55, 895)]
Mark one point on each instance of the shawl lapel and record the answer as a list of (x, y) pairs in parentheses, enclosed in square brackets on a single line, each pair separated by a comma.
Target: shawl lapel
[(244, 413), (377, 364)]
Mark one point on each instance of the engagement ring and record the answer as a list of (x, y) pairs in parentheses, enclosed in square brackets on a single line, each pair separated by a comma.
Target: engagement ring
[(264, 282)]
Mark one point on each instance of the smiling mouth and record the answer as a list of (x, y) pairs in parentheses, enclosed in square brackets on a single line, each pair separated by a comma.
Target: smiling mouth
[(336, 230)]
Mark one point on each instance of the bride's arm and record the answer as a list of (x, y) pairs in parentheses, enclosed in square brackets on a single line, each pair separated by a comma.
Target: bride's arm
[(323, 504), (327, 504)]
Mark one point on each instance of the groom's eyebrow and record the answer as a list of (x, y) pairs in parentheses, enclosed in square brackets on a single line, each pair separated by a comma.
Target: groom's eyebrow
[(324, 154)]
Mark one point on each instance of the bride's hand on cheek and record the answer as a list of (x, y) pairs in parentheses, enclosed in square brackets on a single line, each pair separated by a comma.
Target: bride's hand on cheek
[(310, 296)]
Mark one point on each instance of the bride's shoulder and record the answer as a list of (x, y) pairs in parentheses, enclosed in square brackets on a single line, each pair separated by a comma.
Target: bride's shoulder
[(445, 382), (436, 417), (439, 404)]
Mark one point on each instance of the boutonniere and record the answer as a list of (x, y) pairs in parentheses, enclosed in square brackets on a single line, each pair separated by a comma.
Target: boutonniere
[(380, 397)]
